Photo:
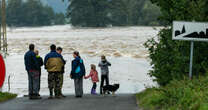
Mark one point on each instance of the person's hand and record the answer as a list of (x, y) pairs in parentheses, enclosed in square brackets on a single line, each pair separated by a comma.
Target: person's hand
[(85, 77)]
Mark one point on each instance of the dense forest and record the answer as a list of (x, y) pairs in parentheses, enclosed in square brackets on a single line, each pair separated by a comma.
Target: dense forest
[(31, 13), (102, 13)]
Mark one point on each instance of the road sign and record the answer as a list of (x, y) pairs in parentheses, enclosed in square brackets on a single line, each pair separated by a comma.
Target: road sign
[(191, 31), (2, 71)]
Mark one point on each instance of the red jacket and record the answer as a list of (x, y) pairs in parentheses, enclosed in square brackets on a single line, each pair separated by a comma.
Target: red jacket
[(94, 76)]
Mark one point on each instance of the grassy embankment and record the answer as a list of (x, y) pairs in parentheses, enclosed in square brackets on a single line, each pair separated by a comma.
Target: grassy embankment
[(178, 95), (6, 96)]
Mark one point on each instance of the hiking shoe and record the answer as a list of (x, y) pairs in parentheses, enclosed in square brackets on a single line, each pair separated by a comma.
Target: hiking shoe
[(58, 97), (78, 96), (63, 96), (35, 97), (50, 97)]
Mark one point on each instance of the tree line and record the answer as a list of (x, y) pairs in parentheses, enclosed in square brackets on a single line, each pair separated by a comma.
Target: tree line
[(101, 13), (84, 13), (31, 13)]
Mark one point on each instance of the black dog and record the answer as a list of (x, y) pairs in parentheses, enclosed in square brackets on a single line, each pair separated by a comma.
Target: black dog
[(111, 88)]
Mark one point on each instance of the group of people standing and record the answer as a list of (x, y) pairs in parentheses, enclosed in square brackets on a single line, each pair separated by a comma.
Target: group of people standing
[(54, 63)]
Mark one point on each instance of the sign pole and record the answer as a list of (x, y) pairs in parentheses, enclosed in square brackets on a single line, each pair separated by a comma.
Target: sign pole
[(191, 59), (190, 31)]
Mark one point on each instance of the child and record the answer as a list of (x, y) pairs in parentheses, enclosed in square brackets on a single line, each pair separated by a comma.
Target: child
[(94, 76), (104, 72)]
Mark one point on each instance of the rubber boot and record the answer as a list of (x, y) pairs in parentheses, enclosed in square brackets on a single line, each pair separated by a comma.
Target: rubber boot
[(101, 90), (51, 94), (93, 92)]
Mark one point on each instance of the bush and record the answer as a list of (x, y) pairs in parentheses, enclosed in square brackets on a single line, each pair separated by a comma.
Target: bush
[(170, 59), (178, 95), (6, 96)]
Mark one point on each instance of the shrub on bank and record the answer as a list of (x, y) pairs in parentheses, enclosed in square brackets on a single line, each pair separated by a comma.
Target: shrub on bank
[(170, 58), (6, 96), (177, 95)]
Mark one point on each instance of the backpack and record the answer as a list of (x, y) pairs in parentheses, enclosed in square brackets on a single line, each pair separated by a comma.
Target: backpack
[(80, 70)]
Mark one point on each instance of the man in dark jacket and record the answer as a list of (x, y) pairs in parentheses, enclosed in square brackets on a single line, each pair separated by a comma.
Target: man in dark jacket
[(54, 63), (31, 66), (40, 63)]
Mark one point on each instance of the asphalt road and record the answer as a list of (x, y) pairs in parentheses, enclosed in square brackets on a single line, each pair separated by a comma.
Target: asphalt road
[(88, 102)]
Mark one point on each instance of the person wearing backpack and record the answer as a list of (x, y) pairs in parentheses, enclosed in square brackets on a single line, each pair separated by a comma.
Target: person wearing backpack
[(77, 73)]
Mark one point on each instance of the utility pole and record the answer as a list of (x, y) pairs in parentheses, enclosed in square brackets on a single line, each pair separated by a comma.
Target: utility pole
[(3, 31), (3, 37)]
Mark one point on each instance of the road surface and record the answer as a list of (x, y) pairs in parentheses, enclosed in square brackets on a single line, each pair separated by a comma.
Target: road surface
[(88, 102)]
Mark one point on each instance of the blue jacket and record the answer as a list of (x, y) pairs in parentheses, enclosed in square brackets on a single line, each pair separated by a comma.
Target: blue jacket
[(31, 62), (78, 68), (54, 62)]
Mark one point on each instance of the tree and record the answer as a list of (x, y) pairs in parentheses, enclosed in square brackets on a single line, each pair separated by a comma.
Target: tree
[(29, 13), (149, 15), (0, 12), (126, 12), (101, 13), (170, 59), (91, 13), (79, 12), (35, 13), (15, 12), (59, 19), (46, 16)]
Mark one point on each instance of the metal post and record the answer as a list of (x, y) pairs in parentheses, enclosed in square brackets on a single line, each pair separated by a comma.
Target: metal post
[(191, 59), (4, 26), (3, 34), (1, 27)]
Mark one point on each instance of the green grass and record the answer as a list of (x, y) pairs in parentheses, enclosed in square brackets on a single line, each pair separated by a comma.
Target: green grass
[(178, 95), (6, 96)]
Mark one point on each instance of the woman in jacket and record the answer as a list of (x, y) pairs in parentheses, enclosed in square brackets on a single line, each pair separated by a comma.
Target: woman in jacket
[(77, 73)]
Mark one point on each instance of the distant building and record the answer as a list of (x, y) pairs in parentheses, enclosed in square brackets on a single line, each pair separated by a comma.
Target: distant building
[(177, 33), (183, 30)]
